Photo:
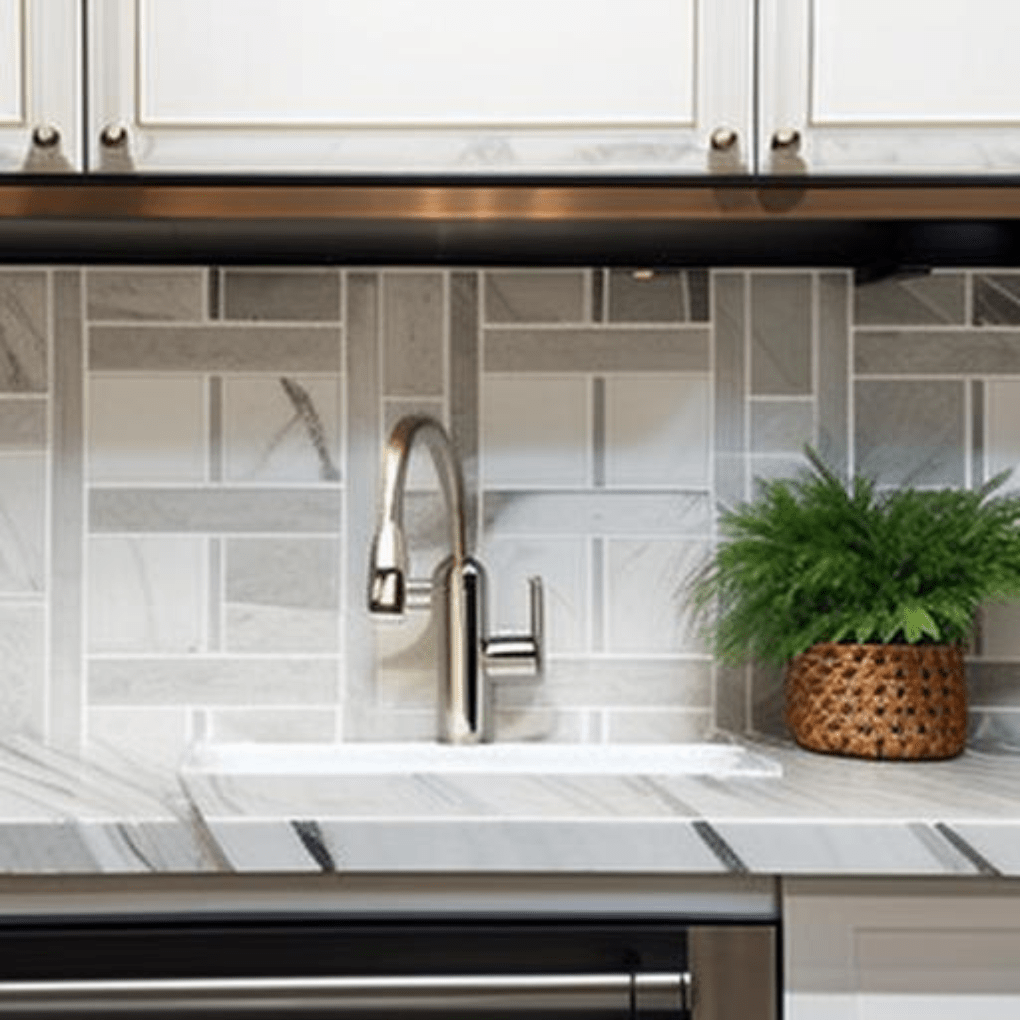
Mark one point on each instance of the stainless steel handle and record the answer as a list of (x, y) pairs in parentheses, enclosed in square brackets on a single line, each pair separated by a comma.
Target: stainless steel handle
[(517, 655), (378, 996), (723, 139), (786, 139)]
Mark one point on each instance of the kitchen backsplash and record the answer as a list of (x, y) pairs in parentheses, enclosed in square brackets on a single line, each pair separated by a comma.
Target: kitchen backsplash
[(189, 469)]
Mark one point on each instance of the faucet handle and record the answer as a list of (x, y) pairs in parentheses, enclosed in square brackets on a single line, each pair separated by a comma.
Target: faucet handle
[(520, 655)]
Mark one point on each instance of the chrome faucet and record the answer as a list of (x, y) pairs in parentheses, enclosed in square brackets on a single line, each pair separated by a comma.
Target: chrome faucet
[(468, 659)]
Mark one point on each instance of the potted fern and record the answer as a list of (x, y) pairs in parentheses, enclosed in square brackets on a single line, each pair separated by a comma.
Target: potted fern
[(868, 598)]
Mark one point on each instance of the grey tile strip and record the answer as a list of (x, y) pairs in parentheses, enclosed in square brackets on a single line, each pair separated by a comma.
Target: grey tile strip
[(220, 348), (308, 414), (413, 334), (23, 425), (981, 863), (977, 432), (598, 295), (730, 313), (215, 288), (364, 443), (603, 512), (227, 510), (67, 516), (602, 349), (715, 842), (937, 352), (781, 333), (215, 595), (310, 834), (598, 432), (215, 429), (833, 368), (462, 385), (598, 606)]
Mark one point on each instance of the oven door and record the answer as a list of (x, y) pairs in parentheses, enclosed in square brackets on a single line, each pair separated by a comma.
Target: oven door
[(478, 968)]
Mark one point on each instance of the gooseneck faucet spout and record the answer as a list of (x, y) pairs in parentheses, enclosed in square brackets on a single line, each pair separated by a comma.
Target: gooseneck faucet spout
[(466, 656)]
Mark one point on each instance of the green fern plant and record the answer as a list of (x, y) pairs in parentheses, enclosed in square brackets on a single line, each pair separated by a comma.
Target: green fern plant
[(812, 560)]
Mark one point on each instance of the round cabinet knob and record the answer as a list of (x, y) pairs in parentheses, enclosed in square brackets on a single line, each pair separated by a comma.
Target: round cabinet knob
[(723, 139), (113, 136), (45, 136), (786, 139)]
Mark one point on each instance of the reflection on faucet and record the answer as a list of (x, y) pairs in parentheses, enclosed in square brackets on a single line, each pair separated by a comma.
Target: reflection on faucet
[(468, 659)]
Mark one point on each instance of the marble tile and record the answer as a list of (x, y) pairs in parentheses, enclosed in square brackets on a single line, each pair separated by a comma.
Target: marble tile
[(146, 594), (67, 517), (597, 513), (599, 292), (406, 656), (23, 425), (275, 725), (464, 385), (912, 300), (771, 468), (978, 440), (413, 340), (147, 429), (1002, 430), (781, 359), (945, 352), (22, 523), (535, 431), (286, 429), (391, 724), (216, 348), (657, 431), (781, 426), (22, 668), (730, 699), (23, 347), (550, 295), (155, 737), (996, 299), (768, 700), (617, 683), (994, 731), (994, 684), (562, 563), (233, 511), (279, 295), (597, 349), (729, 299), (154, 295), (910, 432), (833, 395), (647, 592), (541, 722), (282, 595), (1000, 630), (220, 680), (658, 726), (667, 295), (730, 480)]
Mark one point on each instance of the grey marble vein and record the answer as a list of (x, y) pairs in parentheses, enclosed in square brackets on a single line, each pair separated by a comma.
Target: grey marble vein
[(23, 332)]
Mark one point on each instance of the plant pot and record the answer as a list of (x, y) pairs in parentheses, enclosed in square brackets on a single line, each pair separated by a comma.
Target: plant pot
[(906, 702)]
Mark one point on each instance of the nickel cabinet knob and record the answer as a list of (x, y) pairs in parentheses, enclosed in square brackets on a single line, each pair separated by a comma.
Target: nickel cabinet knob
[(45, 136), (113, 136), (723, 139), (786, 139)]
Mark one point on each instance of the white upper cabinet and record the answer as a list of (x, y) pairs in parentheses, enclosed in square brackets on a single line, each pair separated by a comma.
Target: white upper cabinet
[(889, 87), (40, 85), (406, 86)]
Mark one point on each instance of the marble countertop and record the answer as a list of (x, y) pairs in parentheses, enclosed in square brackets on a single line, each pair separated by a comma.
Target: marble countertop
[(824, 816)]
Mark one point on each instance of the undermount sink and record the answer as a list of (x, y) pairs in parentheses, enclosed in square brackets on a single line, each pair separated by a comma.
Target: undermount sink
[(379, 759)]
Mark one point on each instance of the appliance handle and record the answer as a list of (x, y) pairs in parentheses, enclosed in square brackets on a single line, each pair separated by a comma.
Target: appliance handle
[(616, 994)]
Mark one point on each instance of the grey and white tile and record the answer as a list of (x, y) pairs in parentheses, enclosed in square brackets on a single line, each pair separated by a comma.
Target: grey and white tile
[(156, 737), (658, 725), (22, 668), (23, 500), (915, 300), (833, 397), (23, 325), (996, 299), (282, 595), (781, 355), (279, 725), (145, 295), (660, 295), (24, 425), (937, 352), (910, 432), (550, 295), (413, 334), (1001, 438), (278, 295), (781, 426), (285, 429)]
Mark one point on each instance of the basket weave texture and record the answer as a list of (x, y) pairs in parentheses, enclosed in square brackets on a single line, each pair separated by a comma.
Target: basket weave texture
[(878, 701)]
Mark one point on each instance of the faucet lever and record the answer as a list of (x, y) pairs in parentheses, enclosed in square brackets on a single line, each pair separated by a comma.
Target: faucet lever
[(520, 655)]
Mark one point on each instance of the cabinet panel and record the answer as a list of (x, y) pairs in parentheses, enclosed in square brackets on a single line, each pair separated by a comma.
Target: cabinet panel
[(396, 86), (40, 85), (878, 87)]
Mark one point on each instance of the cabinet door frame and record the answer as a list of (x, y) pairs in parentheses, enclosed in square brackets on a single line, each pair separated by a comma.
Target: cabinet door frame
[(50, 45), (902, 147), (723, 97)]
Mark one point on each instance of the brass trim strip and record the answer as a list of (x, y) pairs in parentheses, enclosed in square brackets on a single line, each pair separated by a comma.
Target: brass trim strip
[(528, 203)]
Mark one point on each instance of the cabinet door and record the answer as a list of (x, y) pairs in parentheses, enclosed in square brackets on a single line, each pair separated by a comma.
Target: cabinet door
[(420, 86), (40, 85), (890, 86), (894, 950)]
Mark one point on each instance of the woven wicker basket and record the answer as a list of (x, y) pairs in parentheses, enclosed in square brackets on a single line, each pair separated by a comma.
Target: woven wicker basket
[(878, 701)]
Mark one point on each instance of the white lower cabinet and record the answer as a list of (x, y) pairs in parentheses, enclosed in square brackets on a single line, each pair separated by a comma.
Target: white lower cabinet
[(893, 949)]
